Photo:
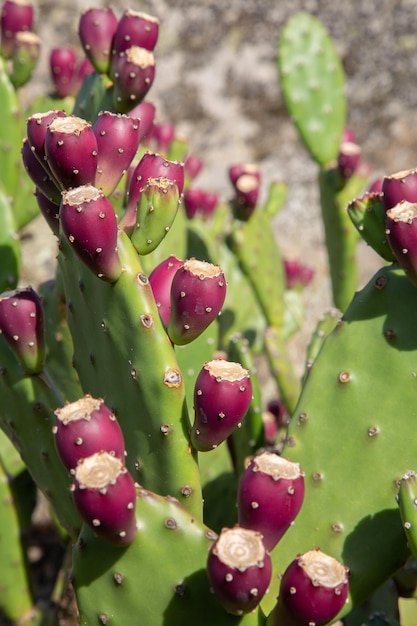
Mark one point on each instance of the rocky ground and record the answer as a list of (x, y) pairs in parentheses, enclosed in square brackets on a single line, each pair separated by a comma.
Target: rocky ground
[(217, 81)]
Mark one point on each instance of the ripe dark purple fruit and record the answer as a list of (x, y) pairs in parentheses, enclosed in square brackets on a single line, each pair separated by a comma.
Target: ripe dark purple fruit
[(22, 326), (49, 210), (71, 151), (145, 111), (198, 292), (239, 569), (160, 280), (117, 138), (192, 167), (38, 174), (96, 29), (36, 127), (135, 29), (270, 495), (399, 186), (245, 179), (134, 73), (401, 231), (314, 588), (104, 494), (16, 16), (89, 223), (62, 65), (85, 427), (222, 395), (348, 159)]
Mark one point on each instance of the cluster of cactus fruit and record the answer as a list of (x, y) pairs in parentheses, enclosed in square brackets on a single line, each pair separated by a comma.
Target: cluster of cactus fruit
[(128, 388)]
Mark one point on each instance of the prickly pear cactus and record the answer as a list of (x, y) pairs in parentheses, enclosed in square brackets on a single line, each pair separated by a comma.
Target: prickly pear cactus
[(353, 416), (313, 82)]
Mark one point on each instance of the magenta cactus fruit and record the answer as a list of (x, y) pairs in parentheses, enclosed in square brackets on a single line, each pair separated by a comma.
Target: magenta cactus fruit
[(145, 112), (16, 16), (22, 326), (117, 138), (200, 202), (192, 167), (239, 569), (401, 231), (222, 395), (96, 29), (49, 210), (38, 174), (36, 127), (348, 159), (62, 65), (160, 280), (314, 588), (245, 179), (85, 427), (135, 29), (89, 223), (71, 151), (399, 186), (150, 166), (198, 292), (104, 494), (270, 495), (134, 73)]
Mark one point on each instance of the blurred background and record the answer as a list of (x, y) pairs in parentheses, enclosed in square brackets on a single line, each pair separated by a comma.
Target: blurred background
[(216, 80)]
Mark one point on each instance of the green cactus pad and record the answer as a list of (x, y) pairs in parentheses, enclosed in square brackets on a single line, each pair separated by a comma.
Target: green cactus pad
[(114, 586), (313, 82), (10, 254), (407, 502), (122, 354), (350, 434), (10, 132), (27, 417)]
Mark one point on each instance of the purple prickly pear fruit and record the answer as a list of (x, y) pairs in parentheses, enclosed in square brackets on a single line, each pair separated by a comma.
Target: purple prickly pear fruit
[(348, 159), (192, 167), (222, 395), (296, 274), (209, 203), (399, 186), (163, 134), (246, 182), (36, 127), (104, 494), (314, 588), (83, 69), (239, 569), (71, 151), (16, 16), (401, 231), (96, 29), (134, 73), (145, 112), (135, 29), (85, 427), (348, 135), (62, 64), (117, 138), (89, 223), (38, 174), (22, 326), (270, 495), (49, 210), (160, 280), (192, 201), (376, 186), (150, 166), (198, 292)]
